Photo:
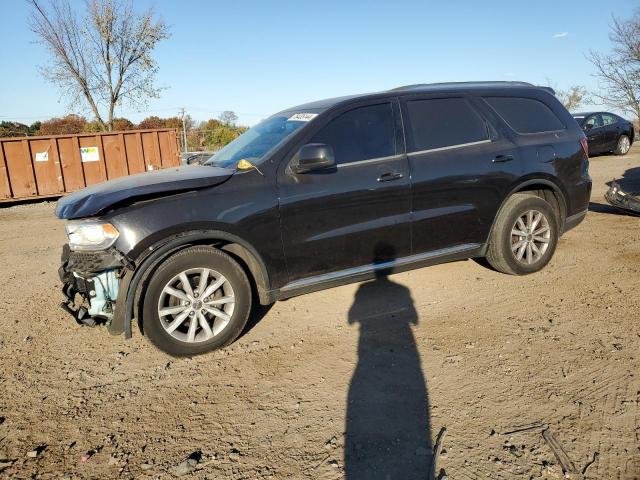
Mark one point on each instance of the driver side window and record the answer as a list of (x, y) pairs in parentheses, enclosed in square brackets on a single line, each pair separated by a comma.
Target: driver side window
[(594, 120), (363, 133)]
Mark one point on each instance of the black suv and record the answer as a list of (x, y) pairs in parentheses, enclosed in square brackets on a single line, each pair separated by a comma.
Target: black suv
[(324, 194)]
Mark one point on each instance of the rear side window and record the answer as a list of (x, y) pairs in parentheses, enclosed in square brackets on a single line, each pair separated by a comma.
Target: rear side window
[(526, 115), (443, 122), (360, 134)]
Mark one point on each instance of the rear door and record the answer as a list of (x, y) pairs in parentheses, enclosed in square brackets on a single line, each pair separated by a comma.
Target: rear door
[(358, 213), (461, 168), (611, 131)]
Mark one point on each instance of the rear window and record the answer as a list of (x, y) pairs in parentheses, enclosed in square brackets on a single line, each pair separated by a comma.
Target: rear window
[(443, 122), (526, 115)]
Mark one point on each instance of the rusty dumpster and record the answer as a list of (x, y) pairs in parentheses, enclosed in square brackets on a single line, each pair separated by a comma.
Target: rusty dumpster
[(32, 167)]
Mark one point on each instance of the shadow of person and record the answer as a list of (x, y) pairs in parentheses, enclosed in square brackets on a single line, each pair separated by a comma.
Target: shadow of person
[(388, 435)]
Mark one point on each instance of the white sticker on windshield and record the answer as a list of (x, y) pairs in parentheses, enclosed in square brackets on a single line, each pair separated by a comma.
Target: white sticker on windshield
[(302, 117)]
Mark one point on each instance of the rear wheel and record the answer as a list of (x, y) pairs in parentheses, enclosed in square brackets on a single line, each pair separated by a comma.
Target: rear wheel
[(524, 236), (623, 146), (197, 301)]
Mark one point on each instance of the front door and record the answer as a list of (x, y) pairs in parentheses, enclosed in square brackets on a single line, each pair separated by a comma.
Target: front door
[(356, 214), (595, 132)]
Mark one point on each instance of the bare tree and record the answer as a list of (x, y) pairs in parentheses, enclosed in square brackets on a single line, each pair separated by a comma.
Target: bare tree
[(228, 117), (102, 59), (574, 97), (619, 71)]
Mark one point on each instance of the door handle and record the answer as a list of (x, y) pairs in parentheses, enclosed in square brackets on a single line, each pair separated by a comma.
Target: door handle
[(389, 176), (502, 158)]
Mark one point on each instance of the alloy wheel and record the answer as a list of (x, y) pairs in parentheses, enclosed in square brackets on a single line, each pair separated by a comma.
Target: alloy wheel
[(530, 237), (196, 305), (624, 145)]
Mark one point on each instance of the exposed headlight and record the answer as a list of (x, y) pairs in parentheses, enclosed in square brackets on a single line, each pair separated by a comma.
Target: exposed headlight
[(91, 235)]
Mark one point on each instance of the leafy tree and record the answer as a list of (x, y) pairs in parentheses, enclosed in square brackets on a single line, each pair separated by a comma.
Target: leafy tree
[(619, 70), (151, 122), (574, 97), (123, 124), (34, 128), (228, 118), (171, 122), (63, 125), (13, 129), (100, 59)]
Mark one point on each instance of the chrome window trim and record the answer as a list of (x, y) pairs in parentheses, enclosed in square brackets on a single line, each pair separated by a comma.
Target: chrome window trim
[(370, 160), (450, 147)]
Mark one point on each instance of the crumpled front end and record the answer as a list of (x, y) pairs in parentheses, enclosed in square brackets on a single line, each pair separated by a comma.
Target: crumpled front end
[(617, 197), (91, 282)]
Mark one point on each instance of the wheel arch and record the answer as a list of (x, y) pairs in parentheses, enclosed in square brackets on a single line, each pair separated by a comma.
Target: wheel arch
[(134, 282), (542, 187)]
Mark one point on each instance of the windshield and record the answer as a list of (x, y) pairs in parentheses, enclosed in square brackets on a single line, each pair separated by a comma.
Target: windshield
[(256, 142)]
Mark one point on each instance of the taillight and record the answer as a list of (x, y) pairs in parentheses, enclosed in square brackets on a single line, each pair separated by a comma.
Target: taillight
[(585, 146)]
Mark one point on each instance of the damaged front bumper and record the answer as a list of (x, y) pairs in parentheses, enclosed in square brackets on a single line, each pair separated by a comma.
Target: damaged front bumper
[(91, 282), (617, 197)]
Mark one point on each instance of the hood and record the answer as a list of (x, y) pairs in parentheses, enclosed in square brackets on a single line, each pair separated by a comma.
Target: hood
[(97, 198)]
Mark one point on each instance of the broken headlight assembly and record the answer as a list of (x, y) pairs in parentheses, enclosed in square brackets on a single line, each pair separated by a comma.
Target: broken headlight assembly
[(91, 235)]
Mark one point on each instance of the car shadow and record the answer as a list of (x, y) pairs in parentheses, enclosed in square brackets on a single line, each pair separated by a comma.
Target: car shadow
[(388, 432), (258, 312), (630, 181)]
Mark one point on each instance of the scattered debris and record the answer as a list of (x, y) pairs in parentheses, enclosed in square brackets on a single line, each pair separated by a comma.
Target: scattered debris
[(84, 458), (527, 427), (558, 451), (437, 453), (331, 443), (322, 462), (590, 462), (2, 419), (622, 200), (188, 465), (36, 451), (5, 463)]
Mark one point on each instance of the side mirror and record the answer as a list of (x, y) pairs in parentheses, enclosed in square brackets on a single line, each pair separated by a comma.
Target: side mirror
[(588, 126), (312, 157)]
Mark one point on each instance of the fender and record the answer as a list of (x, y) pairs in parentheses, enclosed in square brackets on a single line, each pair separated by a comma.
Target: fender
[(522, 185), (133, 280)]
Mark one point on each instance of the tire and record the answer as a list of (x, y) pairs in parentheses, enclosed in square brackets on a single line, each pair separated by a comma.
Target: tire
[(512, 217), (225, 309), (623, 145)]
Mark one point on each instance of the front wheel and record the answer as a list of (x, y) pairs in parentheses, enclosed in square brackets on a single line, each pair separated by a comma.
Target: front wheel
[(197, 301), (524, 236), (623, 146)]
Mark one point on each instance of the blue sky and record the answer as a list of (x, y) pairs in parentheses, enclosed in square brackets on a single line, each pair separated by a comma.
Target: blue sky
[(258, 57)]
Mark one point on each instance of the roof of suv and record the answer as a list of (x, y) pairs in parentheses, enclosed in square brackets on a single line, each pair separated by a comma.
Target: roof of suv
[(321, 105)]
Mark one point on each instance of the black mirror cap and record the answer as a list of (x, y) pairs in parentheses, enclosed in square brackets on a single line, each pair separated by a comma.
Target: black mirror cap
[(588, 126), (313, 156)]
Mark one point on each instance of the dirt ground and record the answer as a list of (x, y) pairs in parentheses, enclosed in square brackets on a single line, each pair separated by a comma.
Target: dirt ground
[(354, 382)]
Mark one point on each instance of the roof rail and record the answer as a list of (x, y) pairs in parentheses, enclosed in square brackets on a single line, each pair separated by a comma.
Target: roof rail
[(461, 84)]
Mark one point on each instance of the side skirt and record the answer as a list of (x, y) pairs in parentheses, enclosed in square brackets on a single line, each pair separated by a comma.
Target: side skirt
[(368, 272)]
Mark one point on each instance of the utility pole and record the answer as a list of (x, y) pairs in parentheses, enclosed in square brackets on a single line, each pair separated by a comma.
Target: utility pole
[(184, 132)]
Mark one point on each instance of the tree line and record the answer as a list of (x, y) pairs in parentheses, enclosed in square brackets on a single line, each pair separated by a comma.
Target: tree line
[(211, 134)]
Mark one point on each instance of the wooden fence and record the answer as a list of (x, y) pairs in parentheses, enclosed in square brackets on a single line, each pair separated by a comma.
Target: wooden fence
[(32, 167)]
